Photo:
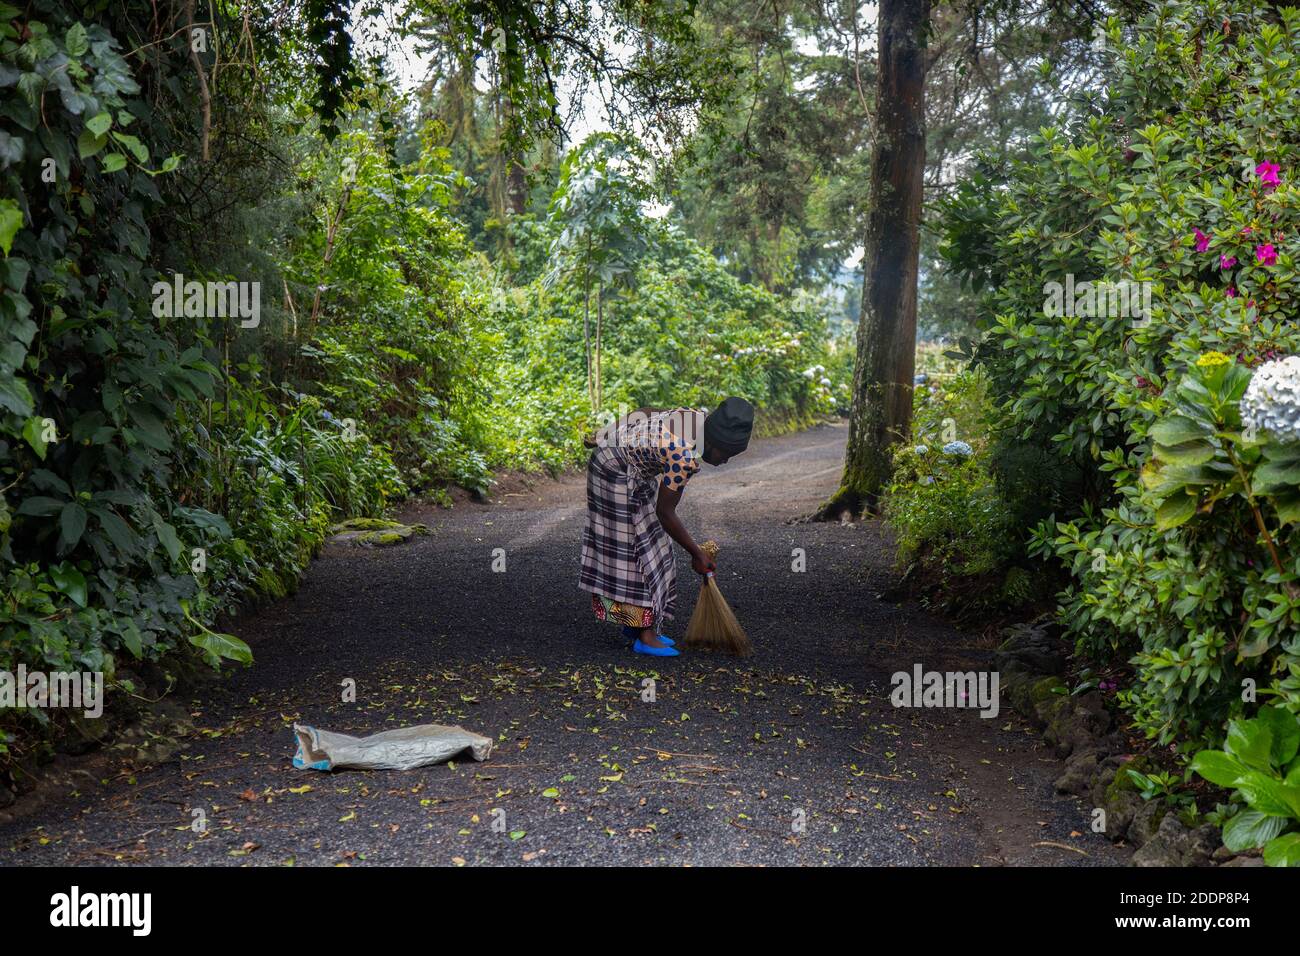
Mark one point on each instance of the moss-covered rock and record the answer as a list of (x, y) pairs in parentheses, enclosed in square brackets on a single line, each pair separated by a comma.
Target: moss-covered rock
[(1146, 821), (1032, 696), (1033, 648), (1174, 844), (1080, 770), (376, 532), (1048, 690), (1121, 799), (364, 524)]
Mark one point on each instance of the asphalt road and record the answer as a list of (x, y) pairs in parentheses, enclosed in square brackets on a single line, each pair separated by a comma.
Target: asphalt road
[(792, 756)]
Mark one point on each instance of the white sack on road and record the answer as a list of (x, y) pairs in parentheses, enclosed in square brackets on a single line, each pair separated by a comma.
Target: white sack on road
[(402, 749)]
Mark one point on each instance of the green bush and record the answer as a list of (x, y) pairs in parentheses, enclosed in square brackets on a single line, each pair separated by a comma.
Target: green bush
[(1181, 178), (401, 343), (1259, 764), (945, 505), (685, 332), (281, 470), (948, 508), (96, 569)]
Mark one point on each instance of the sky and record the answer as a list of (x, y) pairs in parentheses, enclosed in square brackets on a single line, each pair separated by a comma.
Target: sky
[(410, 68)]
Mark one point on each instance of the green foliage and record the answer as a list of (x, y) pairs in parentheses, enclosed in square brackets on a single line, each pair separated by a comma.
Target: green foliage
[(944, 503), (87, 385), (1163, 785), (156, 469), (1259, 763), (655, 77), (1230, 616), (601, 233), (774, 182), (947, 507), (332, 61), (1165, 184), (92, 534), (144, 491), (280, 472), (398, 344), (689, 334), (597, 211)]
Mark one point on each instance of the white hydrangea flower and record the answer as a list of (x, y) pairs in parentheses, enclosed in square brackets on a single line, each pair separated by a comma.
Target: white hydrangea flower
[(826, 382), (808, 373), (958, 448), (1272, 400)]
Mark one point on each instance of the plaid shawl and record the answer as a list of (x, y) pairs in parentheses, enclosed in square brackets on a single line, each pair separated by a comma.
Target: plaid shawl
[(626, 554)]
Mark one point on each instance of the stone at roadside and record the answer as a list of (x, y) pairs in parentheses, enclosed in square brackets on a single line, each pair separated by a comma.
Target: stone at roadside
[(1175, 845), (1031, 648), (1079, 771), (375, 532), (1146, 822)]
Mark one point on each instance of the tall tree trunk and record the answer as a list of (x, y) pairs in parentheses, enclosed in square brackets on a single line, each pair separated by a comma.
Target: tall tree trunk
[(586, 326), (516, 191), (881, 412), (517, 185), (600, 321), (508, 181)]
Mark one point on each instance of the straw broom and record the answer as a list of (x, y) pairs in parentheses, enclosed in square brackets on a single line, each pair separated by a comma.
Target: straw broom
[(713, 626)]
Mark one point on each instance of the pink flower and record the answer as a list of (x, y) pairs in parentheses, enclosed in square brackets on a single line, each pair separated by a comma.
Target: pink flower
[(1266, 254), (1227, 262), (1202, 241), (1267, 173), (1230, 292)]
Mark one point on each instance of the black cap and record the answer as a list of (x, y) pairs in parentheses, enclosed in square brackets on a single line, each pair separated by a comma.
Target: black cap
[(727, 427)]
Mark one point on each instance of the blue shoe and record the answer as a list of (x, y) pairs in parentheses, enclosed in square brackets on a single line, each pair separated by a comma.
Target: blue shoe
[(632, 634), (641, 648)]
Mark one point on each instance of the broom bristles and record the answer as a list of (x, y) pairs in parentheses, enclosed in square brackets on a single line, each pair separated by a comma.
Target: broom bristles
[(713, 626)]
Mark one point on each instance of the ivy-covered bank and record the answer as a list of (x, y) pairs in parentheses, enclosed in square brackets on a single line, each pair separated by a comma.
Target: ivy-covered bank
[(339, 341)]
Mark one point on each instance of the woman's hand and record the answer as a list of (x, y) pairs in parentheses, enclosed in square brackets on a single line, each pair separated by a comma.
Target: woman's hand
[(702, 563)]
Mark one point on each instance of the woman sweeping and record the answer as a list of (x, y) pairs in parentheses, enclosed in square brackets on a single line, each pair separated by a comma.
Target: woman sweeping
[(635, 478)]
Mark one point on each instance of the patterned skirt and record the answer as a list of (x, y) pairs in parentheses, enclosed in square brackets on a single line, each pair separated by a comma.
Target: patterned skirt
[(627, 556), (616, 612)]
